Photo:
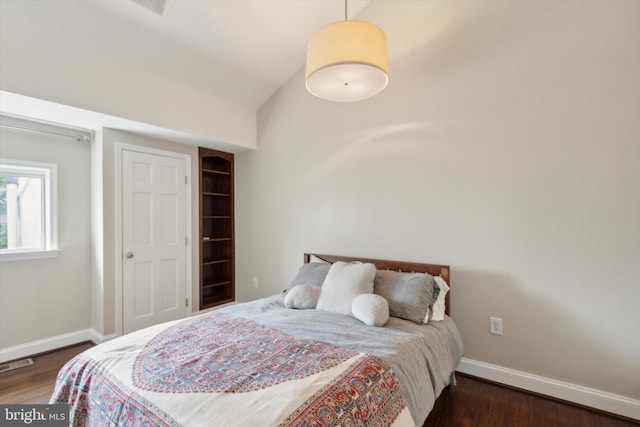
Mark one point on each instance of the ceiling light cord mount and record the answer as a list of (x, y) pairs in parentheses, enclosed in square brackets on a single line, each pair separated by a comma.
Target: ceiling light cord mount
[(347, 61)]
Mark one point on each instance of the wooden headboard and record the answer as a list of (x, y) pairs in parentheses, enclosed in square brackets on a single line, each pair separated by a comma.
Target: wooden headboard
[(407, 267)]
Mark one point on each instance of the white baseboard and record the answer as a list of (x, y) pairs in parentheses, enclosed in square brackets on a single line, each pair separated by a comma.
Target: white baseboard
[(593, 398), (48, 344), (98, 338)]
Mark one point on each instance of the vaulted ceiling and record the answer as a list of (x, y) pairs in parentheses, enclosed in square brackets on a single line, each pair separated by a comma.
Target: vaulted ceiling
[(240, 50), (231, 55), (246, 49), (197, 71)]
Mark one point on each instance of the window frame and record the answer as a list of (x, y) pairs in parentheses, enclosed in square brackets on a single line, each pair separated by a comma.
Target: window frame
[(49, 174)]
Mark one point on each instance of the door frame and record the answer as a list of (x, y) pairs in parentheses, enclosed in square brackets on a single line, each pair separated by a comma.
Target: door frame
[(119, 250)]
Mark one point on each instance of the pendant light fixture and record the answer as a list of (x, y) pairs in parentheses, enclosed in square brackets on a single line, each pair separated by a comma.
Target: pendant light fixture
[(347, 61)]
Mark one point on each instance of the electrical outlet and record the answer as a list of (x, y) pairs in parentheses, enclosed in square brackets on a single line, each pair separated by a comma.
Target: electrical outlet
[(255, 282), (495, 325)]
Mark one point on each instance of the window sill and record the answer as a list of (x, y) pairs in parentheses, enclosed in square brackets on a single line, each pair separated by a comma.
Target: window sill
[(21, 256)]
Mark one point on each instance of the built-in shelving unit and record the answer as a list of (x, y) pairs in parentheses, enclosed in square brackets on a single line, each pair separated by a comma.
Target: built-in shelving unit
[(217, 249)]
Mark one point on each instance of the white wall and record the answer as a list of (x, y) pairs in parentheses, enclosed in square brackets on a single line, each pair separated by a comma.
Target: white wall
[(507, 146), (97, 236), (44, 298), (49, 303), (73, 54)]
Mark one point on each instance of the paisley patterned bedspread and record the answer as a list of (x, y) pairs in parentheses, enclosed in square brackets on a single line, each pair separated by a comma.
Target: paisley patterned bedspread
[(218, 369)]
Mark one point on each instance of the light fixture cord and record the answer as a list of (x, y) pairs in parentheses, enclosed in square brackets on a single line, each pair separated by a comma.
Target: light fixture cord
[(345, 10)]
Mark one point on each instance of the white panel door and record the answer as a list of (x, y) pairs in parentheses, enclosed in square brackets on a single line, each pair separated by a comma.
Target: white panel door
[(153, 239)]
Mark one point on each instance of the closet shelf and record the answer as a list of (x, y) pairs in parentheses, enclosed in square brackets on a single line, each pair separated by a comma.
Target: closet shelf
[(217, 242)]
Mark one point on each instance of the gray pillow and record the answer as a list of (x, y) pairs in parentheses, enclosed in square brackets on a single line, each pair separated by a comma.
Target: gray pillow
[(312, 273), (410, 295)]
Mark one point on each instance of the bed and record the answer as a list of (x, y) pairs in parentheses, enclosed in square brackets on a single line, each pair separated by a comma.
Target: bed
[(265, 362)]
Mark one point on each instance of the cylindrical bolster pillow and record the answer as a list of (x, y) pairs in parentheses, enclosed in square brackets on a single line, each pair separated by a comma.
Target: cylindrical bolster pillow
[(370, 309)]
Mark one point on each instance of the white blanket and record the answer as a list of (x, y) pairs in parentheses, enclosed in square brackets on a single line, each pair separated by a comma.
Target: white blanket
[(224, 370)]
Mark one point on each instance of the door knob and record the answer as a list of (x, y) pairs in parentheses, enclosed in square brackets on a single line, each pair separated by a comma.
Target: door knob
[(129, 255)]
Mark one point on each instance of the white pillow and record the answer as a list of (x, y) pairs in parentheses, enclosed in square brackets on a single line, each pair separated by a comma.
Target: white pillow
[(302, 297), (439, 305), (343, 283), (370, 309)]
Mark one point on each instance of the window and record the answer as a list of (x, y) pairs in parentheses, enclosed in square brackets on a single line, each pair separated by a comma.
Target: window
[(27, 210)]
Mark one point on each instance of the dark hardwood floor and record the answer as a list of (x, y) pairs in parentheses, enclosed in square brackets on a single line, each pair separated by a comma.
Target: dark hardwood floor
[(34, 383), (471, 403), (476, 403)]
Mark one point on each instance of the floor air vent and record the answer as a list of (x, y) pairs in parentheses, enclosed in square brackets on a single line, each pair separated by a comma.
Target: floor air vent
[(15, 365)]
